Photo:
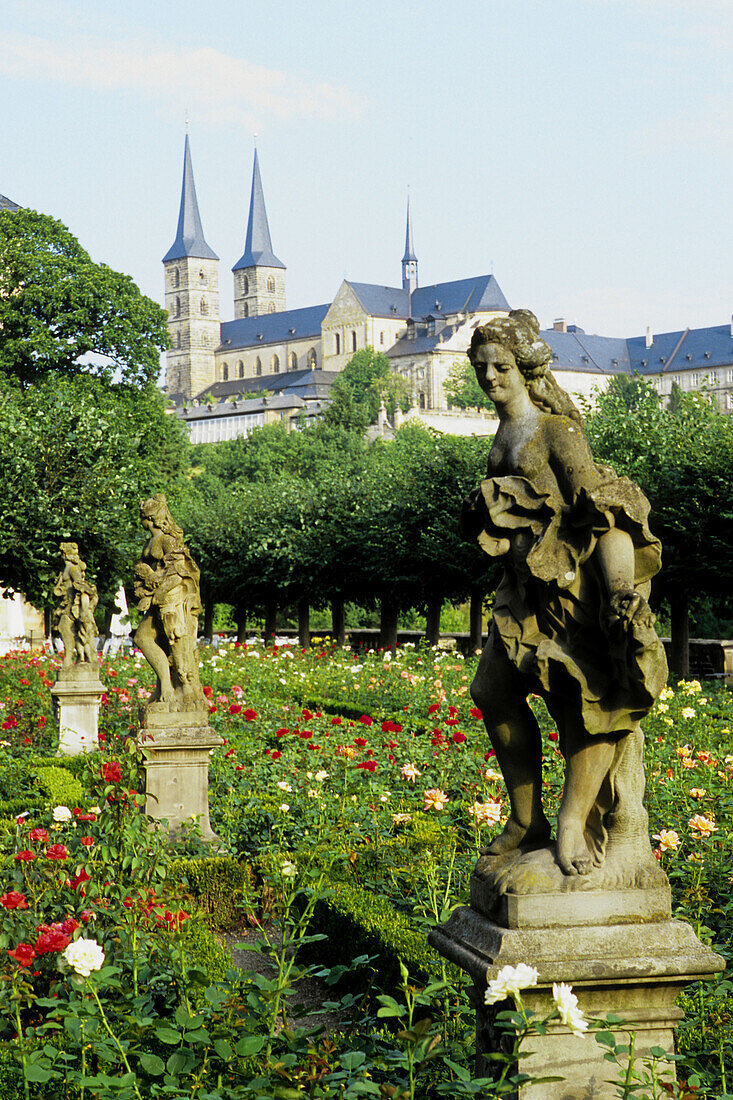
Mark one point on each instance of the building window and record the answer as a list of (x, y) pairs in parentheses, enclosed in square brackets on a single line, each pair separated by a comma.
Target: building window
[(695, 380), (245, 309), (337, 338), (275, 364), (225, 372), (245, 286), (312, 359), (270, 284), (271, 307), (202, 276), (178, 306), (422, 400), (381, 339), (729, 400), (729, 376), (204, 306), (240, 369), (258, 366), (205, 340), (353, 341), (176, 277), (292, 361), (178, 339)]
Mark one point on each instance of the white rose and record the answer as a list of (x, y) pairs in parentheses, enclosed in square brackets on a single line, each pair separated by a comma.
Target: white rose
[(509, 981), (288, 869), (83, 956), (62, 813), (567, 1008)]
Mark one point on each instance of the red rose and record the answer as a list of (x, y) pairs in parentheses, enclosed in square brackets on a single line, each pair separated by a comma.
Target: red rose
[(458, 737), (391, 727), (488, 755), (86, 817), (25, 856), (360, 742), (275, 754), (41, 721), (38, 836), (78, 880), (112, 772), (433, 708), (337, 720), (451, 721), (70, 925), (208, 691), (86, 915), (249, 714), (306, 735), (368, 765), (54, 940), (57, 851), (553, 735), (282, 732), (13, 900), (23, 954), (366, 720), (452, 711), (87, 841), (475, 712), (234, 708), (307, 714)]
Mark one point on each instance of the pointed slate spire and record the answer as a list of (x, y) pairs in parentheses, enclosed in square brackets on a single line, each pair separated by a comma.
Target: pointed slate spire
[(257, 246), (409, 261), (409, 256), (189, 235)]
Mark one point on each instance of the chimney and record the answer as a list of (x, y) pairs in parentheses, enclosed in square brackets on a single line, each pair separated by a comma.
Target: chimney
[(731, 324), (559, 325), (649, 338)]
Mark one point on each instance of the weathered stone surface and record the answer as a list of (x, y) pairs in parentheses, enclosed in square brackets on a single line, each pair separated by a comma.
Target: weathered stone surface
[(177, 773), (74, 613), (76, 696)]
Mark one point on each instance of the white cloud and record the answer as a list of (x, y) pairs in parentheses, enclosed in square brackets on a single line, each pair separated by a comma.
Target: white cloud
[(216, 86)]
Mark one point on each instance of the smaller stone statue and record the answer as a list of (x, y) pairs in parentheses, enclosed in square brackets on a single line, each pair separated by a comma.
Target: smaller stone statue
[(168, 595), (74, 616)]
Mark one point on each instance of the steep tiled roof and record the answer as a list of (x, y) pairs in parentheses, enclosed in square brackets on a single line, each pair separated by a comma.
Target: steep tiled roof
[(480, 293), (273, 328), (588, 354), (189, 235), (8, 204), (690, 349), (308, 384)]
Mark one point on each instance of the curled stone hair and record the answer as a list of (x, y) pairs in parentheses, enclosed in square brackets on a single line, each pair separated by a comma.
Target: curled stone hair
[(519, 333), (156, 508)]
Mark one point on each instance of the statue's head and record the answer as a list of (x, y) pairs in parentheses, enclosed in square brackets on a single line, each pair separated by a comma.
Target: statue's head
[(154, 512), (70, 551), (519, 333)]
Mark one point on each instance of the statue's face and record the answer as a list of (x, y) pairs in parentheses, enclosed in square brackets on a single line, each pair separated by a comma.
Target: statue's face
[(497, 373)]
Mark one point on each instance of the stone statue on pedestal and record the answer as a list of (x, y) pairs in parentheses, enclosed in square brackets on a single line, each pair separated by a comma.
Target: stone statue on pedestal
[(74, 614), (175, 737), (168, 595), (572, 625)]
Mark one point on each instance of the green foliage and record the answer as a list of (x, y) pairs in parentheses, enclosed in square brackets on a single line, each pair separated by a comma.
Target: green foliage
[(76, 457), (366, 380), (462, 389), (220, 885), (61, 788), (57, 307)]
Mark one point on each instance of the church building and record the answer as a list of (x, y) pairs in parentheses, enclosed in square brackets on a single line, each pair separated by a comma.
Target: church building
[(273, 363)]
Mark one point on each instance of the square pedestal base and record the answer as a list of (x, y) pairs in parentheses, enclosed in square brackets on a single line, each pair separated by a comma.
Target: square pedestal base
[(634, 969), (76, 697), (177, 769)]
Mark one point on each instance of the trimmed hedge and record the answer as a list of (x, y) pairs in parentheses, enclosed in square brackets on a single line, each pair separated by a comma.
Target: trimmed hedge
[(221, 885)]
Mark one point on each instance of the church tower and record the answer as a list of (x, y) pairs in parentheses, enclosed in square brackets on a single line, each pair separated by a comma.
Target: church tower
[(191, 297), (259, 277), (409, 260)]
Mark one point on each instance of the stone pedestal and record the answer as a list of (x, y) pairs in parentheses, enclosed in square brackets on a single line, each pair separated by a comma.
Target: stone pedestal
[(177, 747), (621, 952), (76, 695)]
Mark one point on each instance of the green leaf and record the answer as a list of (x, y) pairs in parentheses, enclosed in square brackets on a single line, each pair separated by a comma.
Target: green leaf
[(353, 1059), (34, 1072), (152, 1064), (249, 1045), (168, 1035), (223, 1049)]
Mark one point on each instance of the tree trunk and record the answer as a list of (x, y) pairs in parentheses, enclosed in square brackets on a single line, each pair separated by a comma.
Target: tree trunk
[(240, 617), (432, 619), (270, 622), (338, 621), (47, 622), (388, 624), (679, 658), (304, 624), (475, 628), (209, 606)]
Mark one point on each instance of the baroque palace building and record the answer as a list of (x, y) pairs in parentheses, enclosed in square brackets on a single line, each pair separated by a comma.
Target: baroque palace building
[(272, 363)]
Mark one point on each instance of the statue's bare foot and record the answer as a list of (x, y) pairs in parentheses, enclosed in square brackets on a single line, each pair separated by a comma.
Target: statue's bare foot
[(573, 854), (516, 836)]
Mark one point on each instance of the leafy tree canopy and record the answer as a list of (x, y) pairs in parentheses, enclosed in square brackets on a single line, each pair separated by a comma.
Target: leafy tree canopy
[(366, 381), (58, 308), (462, 389)]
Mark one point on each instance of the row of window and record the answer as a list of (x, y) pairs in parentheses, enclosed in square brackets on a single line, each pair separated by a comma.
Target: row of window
[(311, 360), (244, 284), (203, 307), (695, 379), (176, 277), (224, 427), (337, 342)]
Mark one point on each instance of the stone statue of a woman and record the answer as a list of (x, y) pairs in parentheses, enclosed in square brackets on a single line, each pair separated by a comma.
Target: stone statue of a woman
[(74, 613), (571, 622)]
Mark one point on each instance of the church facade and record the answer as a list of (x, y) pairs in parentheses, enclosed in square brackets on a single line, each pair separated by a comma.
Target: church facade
[(274, 363)]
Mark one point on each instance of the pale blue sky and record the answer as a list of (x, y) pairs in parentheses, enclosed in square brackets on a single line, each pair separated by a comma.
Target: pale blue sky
[(584, 147)]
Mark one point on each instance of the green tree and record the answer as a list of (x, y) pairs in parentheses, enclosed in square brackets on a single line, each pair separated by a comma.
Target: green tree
[(366, 381), (682, 458), (76, 457), (462, 389), (60, 311)]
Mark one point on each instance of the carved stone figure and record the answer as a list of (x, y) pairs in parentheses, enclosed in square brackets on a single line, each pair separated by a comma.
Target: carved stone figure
[(571, 624), (167, 591), (74, 615)]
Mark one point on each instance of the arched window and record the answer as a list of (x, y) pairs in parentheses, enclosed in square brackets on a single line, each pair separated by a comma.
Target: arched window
[(312, 359), (240, 369), (205, 340), (337, 338), (275, 364), (176, 277), (292, 361), (245, 309), (245, 285), (202, 275), (178, 339), (353, 341), (258, 366), (381, 339), (204, 306), (271, 307), (225, 372), (178, 306), (270, 284)]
